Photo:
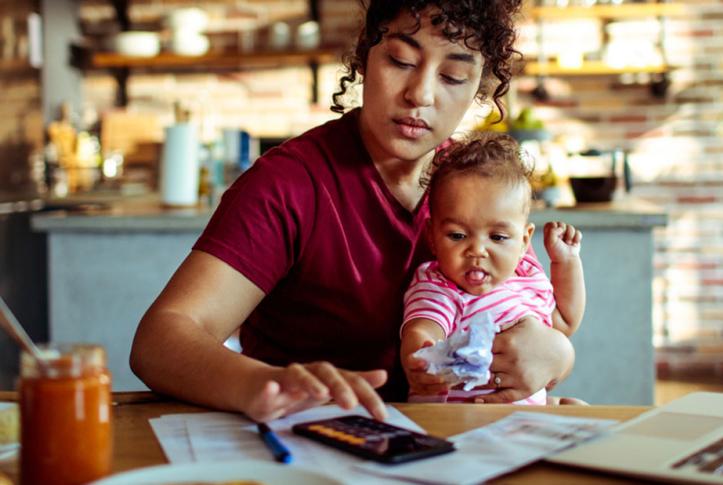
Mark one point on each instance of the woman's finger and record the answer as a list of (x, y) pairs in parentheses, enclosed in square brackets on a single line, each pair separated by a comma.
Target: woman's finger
[(363, 388), (499, 380), (298, 377), (301, 405), (375, 378), (339, 388), (271, 402), (504, 396)]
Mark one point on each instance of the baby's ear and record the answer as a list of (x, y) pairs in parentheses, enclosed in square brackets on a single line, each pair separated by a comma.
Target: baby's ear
[(527, 237)]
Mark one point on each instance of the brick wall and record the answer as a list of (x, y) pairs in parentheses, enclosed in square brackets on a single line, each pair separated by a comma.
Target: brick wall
[(677, 159)]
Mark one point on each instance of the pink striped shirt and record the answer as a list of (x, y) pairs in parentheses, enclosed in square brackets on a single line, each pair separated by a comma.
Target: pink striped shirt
[(528, 293)]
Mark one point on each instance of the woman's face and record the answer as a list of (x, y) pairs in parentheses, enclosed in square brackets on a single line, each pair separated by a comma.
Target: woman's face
[(417, 88), (479, 231)]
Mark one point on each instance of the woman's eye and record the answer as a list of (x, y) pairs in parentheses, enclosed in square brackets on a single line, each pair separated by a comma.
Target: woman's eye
[(455, 236), (400, 63), (453, 80)]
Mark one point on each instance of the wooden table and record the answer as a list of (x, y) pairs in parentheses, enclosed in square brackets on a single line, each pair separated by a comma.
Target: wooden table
[(136, 445)]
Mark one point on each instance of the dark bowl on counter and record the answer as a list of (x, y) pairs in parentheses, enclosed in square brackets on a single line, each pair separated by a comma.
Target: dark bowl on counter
[(593, 189)]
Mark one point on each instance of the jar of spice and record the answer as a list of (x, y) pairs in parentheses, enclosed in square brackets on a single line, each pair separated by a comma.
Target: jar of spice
[(65, 415)]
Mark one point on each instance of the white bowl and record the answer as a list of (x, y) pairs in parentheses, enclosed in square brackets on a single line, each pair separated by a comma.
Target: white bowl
[(137, 43), (187, 18), (185, 43)]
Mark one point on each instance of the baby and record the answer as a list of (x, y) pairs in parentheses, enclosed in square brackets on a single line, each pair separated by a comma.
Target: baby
[(479, 200)]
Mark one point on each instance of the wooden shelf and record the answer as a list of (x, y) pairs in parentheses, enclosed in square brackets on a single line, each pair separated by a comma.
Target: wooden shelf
[(16, 66), (221, 60), (625, 10), (589, 68)]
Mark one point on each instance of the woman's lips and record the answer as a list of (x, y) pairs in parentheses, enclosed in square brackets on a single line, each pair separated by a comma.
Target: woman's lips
[(412, 128)]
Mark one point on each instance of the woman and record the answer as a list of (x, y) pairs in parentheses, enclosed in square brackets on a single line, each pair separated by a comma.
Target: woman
[(312, 248)]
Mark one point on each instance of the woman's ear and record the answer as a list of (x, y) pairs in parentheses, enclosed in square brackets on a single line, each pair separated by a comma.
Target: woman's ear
[(527, 237)]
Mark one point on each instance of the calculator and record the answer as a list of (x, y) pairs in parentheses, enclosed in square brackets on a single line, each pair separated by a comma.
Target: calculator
[(372, 439)]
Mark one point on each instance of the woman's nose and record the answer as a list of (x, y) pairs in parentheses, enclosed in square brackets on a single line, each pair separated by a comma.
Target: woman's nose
[(420, 90)]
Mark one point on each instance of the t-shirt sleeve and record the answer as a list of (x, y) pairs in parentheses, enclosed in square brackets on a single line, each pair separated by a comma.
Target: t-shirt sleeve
[(427, 299), (258, 226)]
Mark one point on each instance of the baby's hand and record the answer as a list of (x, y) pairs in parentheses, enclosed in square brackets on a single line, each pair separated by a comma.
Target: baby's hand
[(420, 382), (562, 241)]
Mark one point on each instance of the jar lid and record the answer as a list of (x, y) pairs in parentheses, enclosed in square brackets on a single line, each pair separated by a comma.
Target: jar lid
[(63, 360)]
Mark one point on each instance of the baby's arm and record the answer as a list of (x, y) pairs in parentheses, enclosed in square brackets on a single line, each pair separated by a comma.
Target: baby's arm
[(562, 242), (416, 334)]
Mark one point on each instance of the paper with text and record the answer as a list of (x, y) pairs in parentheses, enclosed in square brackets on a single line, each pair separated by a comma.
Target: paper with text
[(505, 445)]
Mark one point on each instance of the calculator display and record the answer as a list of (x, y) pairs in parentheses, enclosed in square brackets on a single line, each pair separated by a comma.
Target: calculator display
[(373, 439)]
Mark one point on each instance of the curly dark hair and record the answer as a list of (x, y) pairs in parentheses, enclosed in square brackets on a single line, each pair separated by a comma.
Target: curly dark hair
[(491, 155), (483, 25)]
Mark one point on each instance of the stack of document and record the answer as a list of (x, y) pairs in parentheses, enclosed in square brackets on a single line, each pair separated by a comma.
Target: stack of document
[(510, 443)]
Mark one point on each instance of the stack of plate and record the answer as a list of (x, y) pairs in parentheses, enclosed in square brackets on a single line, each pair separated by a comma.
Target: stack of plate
[(137, 43)]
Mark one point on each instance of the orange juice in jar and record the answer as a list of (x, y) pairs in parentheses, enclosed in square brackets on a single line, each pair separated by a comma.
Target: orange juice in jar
[(65, 415)]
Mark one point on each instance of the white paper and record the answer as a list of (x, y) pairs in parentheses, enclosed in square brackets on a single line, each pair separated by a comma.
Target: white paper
[(205, 437), (173, 438), (505, 445), (172, 434), (464, 357), (482, 454)]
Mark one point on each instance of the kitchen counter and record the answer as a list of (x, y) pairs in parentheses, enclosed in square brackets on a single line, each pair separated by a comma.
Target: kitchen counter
[(146, 213), (108, 262)]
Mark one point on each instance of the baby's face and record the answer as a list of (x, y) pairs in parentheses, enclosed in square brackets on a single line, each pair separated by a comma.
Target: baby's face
[(479, 231)]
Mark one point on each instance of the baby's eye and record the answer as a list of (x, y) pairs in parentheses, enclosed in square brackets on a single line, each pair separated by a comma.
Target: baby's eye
[(456, 236), (499, 237)]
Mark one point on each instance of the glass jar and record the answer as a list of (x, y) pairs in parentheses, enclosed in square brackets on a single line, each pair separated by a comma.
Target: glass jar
[(65, 412)]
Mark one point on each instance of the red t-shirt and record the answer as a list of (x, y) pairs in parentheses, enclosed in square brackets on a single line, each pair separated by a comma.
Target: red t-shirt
[(314, 226)]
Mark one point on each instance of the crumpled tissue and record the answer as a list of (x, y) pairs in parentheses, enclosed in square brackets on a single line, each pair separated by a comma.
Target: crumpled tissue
[(465, 356)]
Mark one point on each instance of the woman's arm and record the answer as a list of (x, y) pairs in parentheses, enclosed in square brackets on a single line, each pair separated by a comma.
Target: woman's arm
[(178, 350), (527, 357)]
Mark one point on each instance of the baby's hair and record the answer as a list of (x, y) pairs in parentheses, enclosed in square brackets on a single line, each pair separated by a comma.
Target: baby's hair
[(491, 155), (483, 25)]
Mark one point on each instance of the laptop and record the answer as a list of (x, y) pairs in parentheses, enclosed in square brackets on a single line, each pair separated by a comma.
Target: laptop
[(679, 442)]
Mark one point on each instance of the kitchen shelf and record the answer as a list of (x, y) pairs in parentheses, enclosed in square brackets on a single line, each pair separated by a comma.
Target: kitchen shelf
[(213, 61), (19, 66), (121, 66), (625, 10), (608, 14), (589, 68)]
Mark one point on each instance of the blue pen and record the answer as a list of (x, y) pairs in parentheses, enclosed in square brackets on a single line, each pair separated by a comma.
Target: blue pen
[(280, 452)]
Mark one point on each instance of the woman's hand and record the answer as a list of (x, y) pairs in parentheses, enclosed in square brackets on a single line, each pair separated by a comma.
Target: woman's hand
[(528, 356), (279, 391)]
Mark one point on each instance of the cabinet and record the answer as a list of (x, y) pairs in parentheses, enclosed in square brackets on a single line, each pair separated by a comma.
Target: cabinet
[(607, 13)]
